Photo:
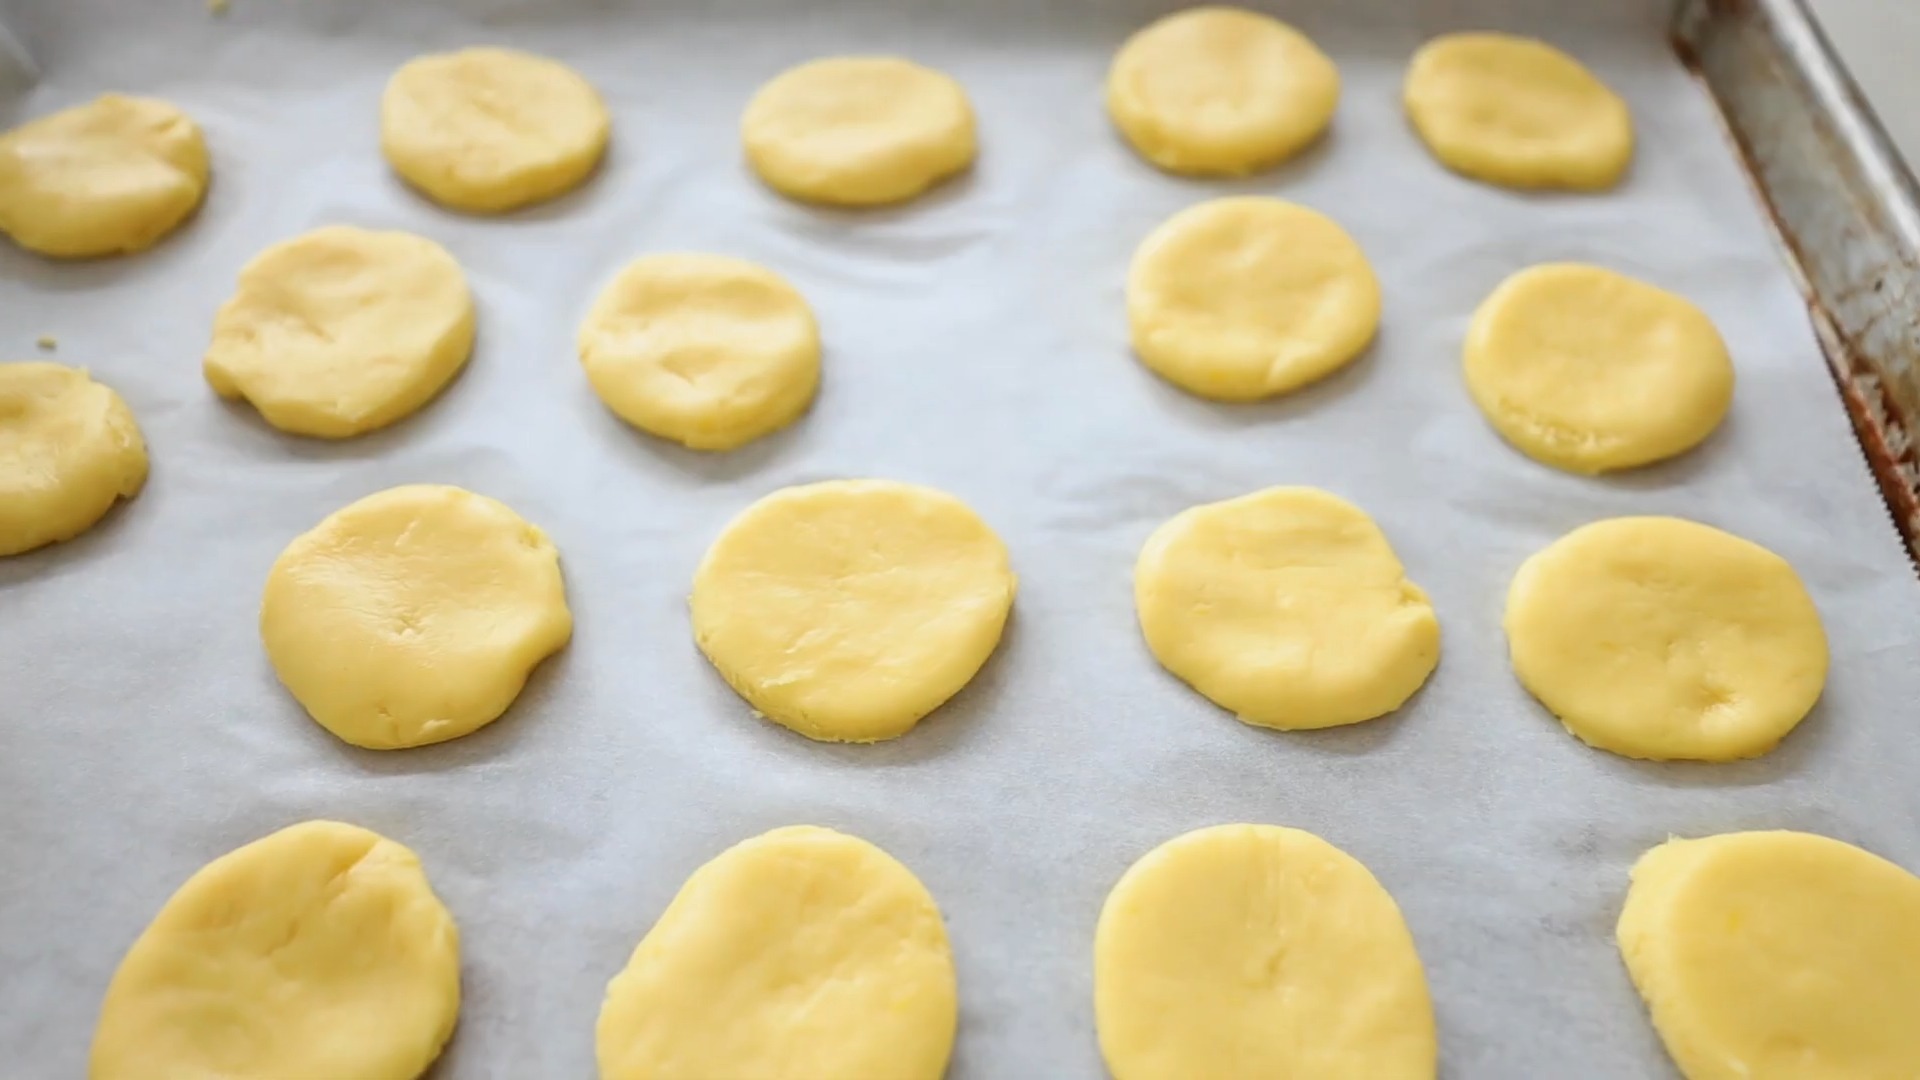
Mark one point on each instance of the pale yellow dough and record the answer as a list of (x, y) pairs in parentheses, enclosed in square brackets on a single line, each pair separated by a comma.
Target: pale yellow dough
[(1590, 371), (1243, 951), (341, 331), (848, 610), (708, 351), (1777, 956), (414, 615), (318, 951), (490, 130), (1663, 639), (1287, 607), (1243, 298), (1517, 112), (69, 449), (1220, 91), (858, 130), (109, 177), (801, 954)]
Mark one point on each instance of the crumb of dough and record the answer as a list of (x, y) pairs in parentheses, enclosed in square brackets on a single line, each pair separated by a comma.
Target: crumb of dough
[(47, 342), (218, 8)]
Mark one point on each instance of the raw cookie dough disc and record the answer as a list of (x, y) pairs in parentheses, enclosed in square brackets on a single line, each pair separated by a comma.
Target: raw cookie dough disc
[(1588, 370), (105, 178), (1286, 606), (1776, 954), (69, 449), (850, 609), (800, 954), (1243, 298), (1664, 639), (1514, 111), (491, 130), (705, 350), (414, 615), (858, 130), (1218, 91), (341, 331), (1252, 950), (318, 951)]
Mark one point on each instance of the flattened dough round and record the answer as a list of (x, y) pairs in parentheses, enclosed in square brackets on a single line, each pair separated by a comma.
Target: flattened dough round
[(708, 351), (109, 177), (1286, 606), (1517, 112), (1254, 950), (1776, 954), (490, 130), (1220, 91), (1662, 639), (1590, 371), (1243, 298), (341, 331), (858, 130), (800, 954), (848, 610), (413, 616), (317, 951), (69, 449)]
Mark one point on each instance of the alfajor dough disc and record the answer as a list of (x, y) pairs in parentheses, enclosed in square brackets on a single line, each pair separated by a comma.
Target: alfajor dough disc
[(69, 450), (414, 615)]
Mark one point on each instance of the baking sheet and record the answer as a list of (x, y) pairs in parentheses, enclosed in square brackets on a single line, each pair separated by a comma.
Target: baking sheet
[(974, 341)]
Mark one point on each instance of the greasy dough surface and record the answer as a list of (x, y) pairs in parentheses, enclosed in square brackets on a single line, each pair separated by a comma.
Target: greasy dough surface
[(1244, 951), (490, 130), (1518, 112), (1660, 638), (709, 351), (801, 954), (414, 615), (318, 951), (69, 449), (341, 330), (858, 130), (1589, 371), (1220, 91), (1286, 606), (848, 610), (1243, 298), (105, 178), (1777, 955)]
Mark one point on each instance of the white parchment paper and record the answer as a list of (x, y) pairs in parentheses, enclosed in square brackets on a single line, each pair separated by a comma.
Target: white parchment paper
[(974, 341)]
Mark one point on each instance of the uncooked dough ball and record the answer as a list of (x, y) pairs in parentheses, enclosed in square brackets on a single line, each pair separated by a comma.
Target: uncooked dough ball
[(1243, 298), (69, 449), (858, 130), (1253, 950), (1589, 371), (1219, 91), (1287, 607), (1776, 954), (1518, 112), (705, 350), (105, 178), (800, 954), (491, 130), (341, 331), (414, 615), (850, 609), (318, 951), (1659, 638)]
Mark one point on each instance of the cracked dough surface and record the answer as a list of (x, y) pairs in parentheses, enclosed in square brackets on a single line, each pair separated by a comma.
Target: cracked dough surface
[(318, 951), (1776, 954), (69, 450), (800, 954), (1253, 950), (1661, 639), (414, 615), (1287, 607)]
